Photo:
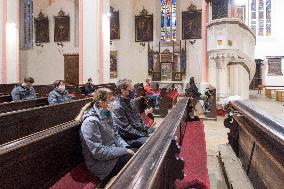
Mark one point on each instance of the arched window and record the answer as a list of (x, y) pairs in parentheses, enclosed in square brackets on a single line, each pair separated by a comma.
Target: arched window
[(168, 20), (260, 17)]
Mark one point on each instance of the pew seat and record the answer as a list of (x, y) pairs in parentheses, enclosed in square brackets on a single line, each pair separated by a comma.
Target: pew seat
[(193, 152), (147, 120), (78, 178)]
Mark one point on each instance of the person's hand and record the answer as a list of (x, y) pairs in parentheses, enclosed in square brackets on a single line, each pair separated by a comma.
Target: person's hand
[(130, 152)]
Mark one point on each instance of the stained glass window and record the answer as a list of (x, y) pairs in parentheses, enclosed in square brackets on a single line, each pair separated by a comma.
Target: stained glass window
[(168, 20), (260, 17), (253, 15), (28, 23), (268, 17)]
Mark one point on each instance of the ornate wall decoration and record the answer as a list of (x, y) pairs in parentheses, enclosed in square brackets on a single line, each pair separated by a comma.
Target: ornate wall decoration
[(166, 71), (41, 28), (113, 64), (220, 9), (153, 61), (114, 24), (177, 76), (274, 67), (144, 27), (191, 23), (61, 27)]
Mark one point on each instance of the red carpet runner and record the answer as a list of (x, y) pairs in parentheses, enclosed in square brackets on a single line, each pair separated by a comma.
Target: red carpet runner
[(78, 178), (193, 151)]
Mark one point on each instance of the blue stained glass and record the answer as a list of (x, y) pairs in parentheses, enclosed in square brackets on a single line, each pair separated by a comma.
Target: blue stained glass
[(168, 20), (28, 24), (268, 17)]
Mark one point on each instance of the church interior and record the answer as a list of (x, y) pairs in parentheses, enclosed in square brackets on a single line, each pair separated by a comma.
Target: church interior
[(141, 94)]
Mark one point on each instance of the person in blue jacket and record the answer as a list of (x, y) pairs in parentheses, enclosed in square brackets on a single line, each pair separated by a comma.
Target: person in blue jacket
[(59, 94), (24, 91), (105, 152)]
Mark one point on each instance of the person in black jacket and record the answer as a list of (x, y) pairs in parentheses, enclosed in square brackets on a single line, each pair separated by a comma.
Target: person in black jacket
[(89, 87), (130, 128)]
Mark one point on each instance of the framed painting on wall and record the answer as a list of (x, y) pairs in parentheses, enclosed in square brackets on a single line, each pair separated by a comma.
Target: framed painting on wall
[(156, 76), (274, 67), (41, 28), (113, 64), (61, 27), (166, 71), (191, 24), (177, 76), (114, 24), (144, 27)]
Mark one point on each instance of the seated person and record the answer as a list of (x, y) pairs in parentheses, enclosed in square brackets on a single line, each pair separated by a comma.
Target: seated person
[(59, 94), (105, 152), (24, 91), (89, 87), (131, 129), (151, 94), (192, 86)]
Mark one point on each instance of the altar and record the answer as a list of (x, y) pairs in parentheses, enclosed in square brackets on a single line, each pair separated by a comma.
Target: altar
[(179, 85)]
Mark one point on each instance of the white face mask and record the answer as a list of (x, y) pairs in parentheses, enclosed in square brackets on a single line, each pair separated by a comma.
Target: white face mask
[(61, 88)]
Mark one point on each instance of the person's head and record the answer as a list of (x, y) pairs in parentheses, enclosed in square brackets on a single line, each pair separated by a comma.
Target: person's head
[(90, 81), (191, 81), (59, 84), (101, 99), (148, 81), (28, 82), (124, 87)]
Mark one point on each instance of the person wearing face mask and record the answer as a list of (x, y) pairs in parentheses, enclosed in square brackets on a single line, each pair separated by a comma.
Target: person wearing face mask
[(59, 94), (24, 91), (131, 128), (105, 152)]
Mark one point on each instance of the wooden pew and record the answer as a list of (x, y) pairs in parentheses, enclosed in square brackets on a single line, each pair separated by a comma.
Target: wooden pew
[(258, 140), (279, 95), (41, 159), (23, 104), (21, 123), (270, 91), (156, 165), (5, 98), (7, 88)]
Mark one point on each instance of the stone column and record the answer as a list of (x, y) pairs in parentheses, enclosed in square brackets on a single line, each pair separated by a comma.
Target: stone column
[(94, 40), (9, 41), (204, 81), (223, 78)]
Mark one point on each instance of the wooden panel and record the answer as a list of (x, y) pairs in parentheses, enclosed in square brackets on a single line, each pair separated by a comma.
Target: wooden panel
[(71, 69), (38, 161), (32, 120), (24, 104)]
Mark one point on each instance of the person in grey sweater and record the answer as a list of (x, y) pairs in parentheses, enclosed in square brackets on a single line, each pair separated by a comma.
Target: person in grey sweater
[(59, 94), (24, 91), (105, 152)]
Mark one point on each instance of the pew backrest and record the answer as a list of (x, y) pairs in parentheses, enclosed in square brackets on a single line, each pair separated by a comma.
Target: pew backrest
[(39, 160), (22, 104), (21, 123), (5, 98)]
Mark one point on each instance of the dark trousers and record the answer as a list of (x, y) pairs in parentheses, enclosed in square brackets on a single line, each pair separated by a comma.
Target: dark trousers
[(136, 143), (121, 162)]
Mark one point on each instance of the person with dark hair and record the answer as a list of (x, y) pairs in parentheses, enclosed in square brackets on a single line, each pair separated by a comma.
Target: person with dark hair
[(105, 152), (24, 91), (195, 93), (131, 128), (151, 94), (89, 87), (59, 94)]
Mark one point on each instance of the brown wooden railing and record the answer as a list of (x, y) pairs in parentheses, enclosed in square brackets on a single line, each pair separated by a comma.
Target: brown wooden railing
[(258, 140)]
